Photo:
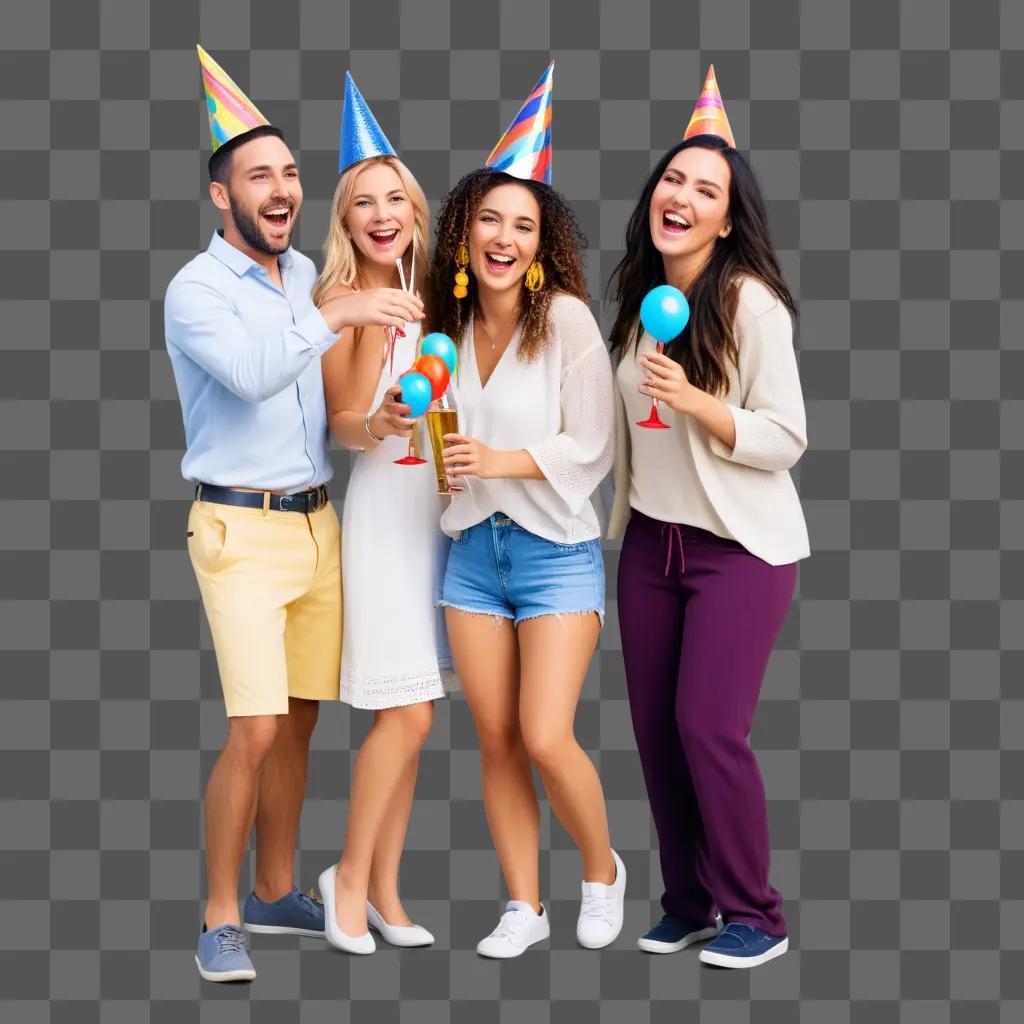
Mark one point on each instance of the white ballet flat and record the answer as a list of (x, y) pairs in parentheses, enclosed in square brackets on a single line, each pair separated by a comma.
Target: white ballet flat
[(360, 944), (397, 935)]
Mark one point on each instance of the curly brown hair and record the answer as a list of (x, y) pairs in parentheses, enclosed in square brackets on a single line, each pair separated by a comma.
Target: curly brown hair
[(560, 253)]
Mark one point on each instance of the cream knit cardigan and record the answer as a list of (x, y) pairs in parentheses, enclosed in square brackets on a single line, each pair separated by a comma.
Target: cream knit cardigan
[(749, 485)]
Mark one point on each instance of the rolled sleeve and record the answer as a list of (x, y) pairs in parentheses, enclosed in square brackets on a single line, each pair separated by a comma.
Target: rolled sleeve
[(771, 423), (761, 442)]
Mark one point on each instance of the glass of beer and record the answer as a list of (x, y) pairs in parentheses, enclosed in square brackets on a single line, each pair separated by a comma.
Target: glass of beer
[(439, 423)]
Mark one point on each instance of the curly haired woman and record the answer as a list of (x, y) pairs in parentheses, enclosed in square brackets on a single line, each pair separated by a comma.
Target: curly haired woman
[(524, 586)]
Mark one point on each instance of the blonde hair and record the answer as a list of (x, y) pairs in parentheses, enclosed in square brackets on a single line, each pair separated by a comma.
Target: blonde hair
[(341, 258)]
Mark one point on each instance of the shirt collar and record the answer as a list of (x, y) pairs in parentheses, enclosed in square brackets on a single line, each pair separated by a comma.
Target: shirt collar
[(236, 260)]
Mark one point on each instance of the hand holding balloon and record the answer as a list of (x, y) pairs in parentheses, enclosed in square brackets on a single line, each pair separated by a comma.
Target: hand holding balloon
[(416, 395), (392, 416), (664, 313), (665, 381)]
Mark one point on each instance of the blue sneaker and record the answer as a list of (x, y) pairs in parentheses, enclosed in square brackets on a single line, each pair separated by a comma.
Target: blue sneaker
[(672, 934), (743, 945), (292, 914), (221, 955)]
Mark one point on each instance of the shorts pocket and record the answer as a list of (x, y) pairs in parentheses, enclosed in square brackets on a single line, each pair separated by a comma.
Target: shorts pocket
[(207, 539)]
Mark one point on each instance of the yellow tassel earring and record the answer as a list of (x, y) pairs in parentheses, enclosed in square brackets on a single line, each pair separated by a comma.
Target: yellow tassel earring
[(460, 291), (535, 276)]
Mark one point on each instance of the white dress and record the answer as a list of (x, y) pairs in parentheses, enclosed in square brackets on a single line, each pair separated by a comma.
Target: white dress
[(395, 649)]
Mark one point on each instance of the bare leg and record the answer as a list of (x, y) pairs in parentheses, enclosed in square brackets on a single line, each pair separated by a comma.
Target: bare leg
[(488, 663), (387, 854), (282, 790), (392, 745), (230, 797), (555, 652)]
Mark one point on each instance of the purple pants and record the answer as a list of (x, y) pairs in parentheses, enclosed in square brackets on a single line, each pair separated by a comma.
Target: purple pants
[(699, 616)]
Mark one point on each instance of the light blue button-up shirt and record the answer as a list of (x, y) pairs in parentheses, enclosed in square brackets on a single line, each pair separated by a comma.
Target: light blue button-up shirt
[(246, 359)]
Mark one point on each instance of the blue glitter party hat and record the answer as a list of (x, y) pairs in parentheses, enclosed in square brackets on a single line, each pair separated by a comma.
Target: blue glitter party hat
[(361, 136)]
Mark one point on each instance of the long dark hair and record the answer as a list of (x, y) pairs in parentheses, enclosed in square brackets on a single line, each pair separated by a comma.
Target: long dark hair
[(707, 345), (560, 253)]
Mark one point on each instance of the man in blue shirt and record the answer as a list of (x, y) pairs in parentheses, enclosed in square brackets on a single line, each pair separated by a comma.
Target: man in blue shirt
[(245, 342)]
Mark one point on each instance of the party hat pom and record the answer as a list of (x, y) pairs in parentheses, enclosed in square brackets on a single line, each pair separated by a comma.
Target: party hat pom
[(524, 151), (361, 135), (231, 112), (709, 114)]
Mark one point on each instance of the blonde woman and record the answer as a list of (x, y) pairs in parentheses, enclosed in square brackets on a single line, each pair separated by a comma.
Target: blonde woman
[(393, 550)]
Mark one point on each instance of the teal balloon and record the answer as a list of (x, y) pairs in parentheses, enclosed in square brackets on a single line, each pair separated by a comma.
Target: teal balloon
[(416, 392), (664, 313), (440, 345)]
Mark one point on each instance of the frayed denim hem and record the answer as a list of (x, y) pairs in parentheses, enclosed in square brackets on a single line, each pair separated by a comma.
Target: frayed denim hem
[(496, 616), (558, 615)]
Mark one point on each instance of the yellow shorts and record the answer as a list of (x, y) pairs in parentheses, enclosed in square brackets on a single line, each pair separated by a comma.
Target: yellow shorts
[(271, 589)]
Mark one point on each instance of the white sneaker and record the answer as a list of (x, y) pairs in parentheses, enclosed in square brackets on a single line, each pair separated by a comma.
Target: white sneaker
[(601, 909), (362, 944), (396, 934), (520, 927)]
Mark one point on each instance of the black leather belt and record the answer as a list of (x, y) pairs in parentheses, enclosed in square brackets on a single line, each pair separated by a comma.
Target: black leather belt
[(305, 501)]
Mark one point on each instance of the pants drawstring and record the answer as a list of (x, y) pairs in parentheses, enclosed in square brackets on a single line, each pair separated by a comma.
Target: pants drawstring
[(674, 530)]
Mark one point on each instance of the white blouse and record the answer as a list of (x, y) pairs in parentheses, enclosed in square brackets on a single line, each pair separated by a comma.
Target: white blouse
[(561, 408), (687, 475)]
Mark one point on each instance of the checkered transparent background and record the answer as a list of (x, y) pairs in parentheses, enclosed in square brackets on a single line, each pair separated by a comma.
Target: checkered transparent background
[(889, 139)]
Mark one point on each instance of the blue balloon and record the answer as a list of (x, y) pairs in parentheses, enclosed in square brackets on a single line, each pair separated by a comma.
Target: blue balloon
[(440, 345), (416, 392), (664, 312)]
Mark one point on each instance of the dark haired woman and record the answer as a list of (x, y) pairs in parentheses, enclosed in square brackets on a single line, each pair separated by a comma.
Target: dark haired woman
[(708, 563), (524, 585)]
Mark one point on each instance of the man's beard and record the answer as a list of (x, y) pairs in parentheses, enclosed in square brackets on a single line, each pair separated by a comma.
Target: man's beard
[(249, 229)]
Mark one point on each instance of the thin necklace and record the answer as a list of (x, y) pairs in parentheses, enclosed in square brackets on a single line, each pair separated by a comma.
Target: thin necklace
[(490, 338)]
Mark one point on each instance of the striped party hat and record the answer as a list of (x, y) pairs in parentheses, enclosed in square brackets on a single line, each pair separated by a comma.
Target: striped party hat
[(708, 116), (524, 151), (361, 135), (231, 112)]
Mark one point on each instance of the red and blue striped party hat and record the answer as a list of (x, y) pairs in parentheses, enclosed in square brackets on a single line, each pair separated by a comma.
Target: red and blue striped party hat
[(524, 151)]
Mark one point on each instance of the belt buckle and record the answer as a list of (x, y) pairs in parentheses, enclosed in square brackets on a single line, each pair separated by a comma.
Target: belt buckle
[(285, 502), (313, 500)]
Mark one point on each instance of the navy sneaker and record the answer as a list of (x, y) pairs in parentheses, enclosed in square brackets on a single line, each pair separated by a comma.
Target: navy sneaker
[(672, 934), (293, 914), (221, 954), (743, 945)]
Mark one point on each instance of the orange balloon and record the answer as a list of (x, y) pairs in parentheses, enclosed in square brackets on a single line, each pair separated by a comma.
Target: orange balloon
[(435, 370)]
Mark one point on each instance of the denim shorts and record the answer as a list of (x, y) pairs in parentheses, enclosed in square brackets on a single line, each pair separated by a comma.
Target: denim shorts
[(498, 568)]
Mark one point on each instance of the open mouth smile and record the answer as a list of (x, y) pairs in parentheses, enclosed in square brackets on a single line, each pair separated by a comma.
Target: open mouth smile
[(384, 237), (279, 217), (498, 263), (674, 223)]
